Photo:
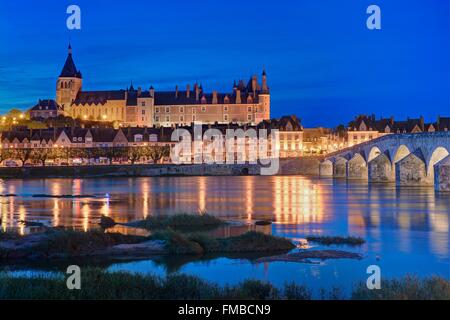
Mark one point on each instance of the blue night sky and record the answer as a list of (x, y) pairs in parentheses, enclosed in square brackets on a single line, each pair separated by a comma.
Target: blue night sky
[(323, 64)]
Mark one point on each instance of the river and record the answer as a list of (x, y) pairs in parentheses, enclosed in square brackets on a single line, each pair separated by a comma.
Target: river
[(407, 230)]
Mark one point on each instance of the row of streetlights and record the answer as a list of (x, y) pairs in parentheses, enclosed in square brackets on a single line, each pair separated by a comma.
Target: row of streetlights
[(14, 119)]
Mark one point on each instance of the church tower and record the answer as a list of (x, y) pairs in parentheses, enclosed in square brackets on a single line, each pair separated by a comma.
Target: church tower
[(68, 85)]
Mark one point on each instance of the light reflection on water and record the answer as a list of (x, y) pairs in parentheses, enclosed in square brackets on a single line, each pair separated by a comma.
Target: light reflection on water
[(407, 230), (283, 199)]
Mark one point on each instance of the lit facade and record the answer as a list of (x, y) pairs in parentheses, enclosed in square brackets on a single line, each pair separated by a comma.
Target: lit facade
[(248, 103)]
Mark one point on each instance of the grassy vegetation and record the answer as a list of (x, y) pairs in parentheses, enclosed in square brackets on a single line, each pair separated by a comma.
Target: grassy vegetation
[(71, 243), (5, 236), (180, 243), (325, 240), (98, 284), (66, 243), (406, 288), (179, 221)]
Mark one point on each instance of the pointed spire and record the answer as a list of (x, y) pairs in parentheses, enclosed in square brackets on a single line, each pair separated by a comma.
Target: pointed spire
[(131, 86), (70, 70), (265, 87)]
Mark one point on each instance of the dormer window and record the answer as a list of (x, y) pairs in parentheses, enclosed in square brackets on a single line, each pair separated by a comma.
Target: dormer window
[(138, 138), (203, 99)]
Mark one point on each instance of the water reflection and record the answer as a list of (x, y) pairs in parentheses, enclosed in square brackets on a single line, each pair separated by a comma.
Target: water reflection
[(388, 216), (297, 201)]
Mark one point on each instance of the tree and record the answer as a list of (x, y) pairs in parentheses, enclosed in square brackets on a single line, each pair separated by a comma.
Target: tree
[(135, 153), (121, 152), (14, 113), (41, 155), (5, 154), (32, 124), (341, 130), (156, 153), (107, 152), (81, 153), (112, 153), (22, 154)]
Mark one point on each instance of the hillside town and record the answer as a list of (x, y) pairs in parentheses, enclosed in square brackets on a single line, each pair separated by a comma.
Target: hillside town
[(132, 126)]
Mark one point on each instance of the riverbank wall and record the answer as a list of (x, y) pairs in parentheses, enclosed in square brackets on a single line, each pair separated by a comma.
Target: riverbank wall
[(297, 166)]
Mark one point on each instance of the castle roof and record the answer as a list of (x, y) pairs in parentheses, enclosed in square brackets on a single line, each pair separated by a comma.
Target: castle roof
[(47, 104), (163, 98), (285, 123), (98, 97)]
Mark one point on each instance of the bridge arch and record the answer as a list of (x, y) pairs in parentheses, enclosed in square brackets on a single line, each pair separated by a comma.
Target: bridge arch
[(438, 154), (326, 168), (340, 167), (408, 159), (374, 152), (357, 167), (381, 169), (401, 152), (411, 170)]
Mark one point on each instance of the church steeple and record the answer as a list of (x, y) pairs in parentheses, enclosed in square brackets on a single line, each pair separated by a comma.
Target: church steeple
[(131, 87), (70, 70), (69, 84)]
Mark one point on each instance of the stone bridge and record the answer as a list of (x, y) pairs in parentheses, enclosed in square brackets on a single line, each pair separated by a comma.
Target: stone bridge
[(417, 159)]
